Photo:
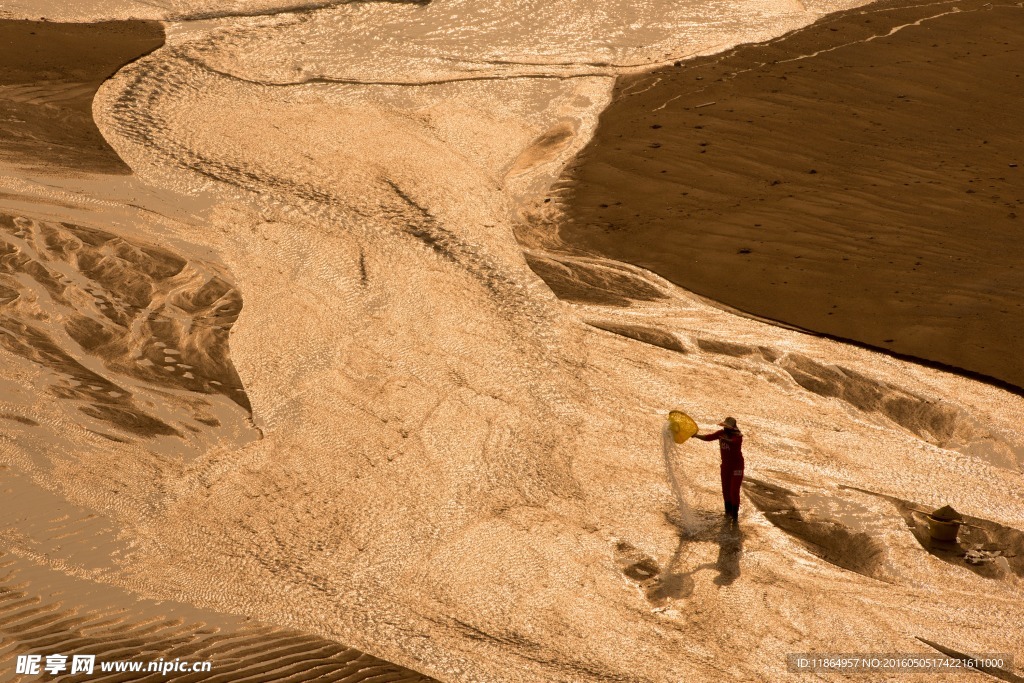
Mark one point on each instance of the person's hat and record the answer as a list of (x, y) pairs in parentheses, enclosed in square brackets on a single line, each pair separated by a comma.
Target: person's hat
[(728, 423)]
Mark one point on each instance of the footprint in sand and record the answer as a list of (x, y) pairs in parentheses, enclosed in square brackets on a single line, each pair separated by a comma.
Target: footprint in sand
[(636, 565), (647, 574)]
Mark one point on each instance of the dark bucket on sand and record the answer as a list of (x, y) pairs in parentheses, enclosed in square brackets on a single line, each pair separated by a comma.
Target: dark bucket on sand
[(944, 524)]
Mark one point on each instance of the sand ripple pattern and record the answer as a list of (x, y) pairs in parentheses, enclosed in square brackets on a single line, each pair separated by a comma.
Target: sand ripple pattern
[(109, 321), (34, 623), (424, 43)]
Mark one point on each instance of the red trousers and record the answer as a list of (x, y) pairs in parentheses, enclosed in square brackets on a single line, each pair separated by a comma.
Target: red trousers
[(732, 478)]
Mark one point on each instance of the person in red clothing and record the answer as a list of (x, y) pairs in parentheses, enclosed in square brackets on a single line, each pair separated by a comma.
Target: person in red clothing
[(730, 442)]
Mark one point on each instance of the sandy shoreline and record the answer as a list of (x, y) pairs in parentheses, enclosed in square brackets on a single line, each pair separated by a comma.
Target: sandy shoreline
[(49, 73), (838, 179)]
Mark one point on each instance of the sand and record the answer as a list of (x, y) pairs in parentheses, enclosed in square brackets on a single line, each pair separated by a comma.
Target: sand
[(128, 341), (49, 73), (455, 470), (862, 178), (56, 609)]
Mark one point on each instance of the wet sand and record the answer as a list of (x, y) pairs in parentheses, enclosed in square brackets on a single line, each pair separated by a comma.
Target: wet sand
[(49, 73), (109, 321), (105, 319), (861, 178)]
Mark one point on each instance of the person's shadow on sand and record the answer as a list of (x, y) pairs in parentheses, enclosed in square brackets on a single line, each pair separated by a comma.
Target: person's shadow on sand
[(730, 549), (674, 585), (671, 584)]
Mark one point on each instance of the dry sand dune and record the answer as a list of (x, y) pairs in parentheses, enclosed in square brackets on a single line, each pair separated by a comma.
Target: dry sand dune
[(48, 75), (860, 178), (459, 472), (51, 613)]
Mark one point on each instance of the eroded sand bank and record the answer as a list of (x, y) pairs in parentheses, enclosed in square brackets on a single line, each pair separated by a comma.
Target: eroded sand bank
[(860, 178), (459, 472)]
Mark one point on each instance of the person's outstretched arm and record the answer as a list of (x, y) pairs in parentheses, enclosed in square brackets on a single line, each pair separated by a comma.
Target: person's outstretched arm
[(714, 436)]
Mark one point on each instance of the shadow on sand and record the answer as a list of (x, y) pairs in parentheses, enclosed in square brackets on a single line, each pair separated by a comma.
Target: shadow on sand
[(675, 580), (675, 583)]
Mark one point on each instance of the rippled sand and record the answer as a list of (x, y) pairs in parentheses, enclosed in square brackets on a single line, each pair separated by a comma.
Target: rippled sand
[(860, 178), (459, 472)]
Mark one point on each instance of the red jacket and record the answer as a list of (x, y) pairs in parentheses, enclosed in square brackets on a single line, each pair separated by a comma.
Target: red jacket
[(730, 443)]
